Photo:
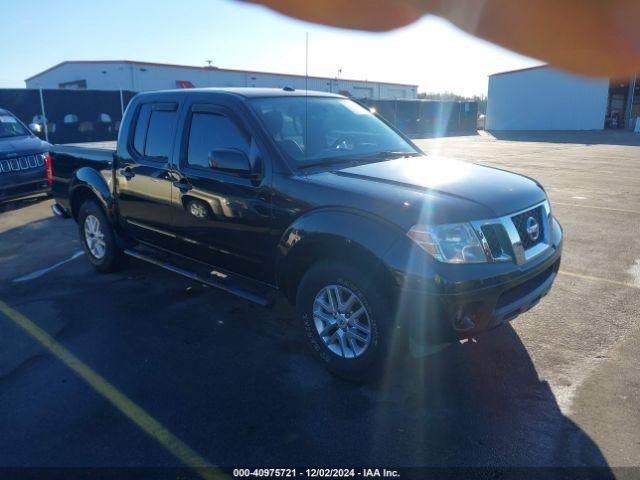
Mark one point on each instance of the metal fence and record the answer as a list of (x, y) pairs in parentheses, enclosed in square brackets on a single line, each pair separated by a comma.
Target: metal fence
[(428, 117), (94, 115), (71, 115)]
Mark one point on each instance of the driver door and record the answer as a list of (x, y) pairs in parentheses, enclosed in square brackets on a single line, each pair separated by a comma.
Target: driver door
[(221, 216)]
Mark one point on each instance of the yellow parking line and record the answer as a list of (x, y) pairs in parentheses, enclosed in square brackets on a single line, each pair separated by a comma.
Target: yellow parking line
[(598, 279), (621, 210), (127, 407)]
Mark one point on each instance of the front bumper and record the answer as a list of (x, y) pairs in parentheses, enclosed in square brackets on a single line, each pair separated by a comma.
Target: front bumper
[(445, 303), (23, 185), (23, 176)]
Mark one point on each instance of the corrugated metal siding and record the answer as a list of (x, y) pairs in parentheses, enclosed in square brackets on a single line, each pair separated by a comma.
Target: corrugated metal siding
[(141, 77), (546, 99)]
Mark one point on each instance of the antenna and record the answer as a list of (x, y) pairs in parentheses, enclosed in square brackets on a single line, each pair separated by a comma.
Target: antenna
[(306, 91)]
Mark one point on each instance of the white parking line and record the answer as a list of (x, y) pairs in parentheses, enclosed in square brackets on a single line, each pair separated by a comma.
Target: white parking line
[(39, 273), (119, 400), (599, 279)]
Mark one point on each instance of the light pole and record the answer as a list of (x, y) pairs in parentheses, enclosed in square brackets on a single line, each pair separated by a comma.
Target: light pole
[(209, 67), (44, 113)]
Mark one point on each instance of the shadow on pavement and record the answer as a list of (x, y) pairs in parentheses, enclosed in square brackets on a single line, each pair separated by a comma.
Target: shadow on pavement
[(235, 381), (482, 403), (12, 205), (37, 244)]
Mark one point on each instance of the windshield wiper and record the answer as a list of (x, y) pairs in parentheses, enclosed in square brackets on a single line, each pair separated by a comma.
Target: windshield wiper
[(388, 154), (328, 161), (358, 159)]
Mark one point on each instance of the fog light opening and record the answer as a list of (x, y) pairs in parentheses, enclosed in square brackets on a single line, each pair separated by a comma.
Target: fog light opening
[(462, 321)]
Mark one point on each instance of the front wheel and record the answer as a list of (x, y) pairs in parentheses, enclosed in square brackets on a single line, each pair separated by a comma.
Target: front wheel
[(346, 320), (98, 238)]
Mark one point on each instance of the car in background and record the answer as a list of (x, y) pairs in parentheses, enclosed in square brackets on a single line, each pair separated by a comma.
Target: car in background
[(482, 120), (25, 165)]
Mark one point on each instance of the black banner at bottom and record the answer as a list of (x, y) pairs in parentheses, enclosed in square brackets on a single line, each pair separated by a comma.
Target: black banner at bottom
[(394, 473)]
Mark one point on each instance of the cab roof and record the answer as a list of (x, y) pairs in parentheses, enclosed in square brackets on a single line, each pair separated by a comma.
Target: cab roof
[(250, 92)]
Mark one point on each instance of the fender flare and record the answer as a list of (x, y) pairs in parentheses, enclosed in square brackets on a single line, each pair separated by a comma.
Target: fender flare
[(331, 226), (88, 178)]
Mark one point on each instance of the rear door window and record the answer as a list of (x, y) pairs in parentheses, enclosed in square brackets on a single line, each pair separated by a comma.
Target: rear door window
[(154, 130), (160, 134), (140, 133)]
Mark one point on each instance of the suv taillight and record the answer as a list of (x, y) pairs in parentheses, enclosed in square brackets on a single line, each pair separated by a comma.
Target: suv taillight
[(47, 164)]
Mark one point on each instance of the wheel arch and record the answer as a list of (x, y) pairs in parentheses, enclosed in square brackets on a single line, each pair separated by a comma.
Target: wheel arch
[(354, 237), (88, 184)]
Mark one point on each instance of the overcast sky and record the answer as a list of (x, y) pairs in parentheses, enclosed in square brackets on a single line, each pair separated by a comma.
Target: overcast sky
[(37, 34)]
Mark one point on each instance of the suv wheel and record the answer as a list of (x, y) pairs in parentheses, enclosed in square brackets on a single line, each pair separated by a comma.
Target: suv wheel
[(345, 320), (98, 238)]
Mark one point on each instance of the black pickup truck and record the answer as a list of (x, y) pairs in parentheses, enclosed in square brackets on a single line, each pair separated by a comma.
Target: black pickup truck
[(381, 248)]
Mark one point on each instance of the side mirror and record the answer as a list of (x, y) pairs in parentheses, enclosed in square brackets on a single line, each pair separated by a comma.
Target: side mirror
[(35, 128), (230, 160)]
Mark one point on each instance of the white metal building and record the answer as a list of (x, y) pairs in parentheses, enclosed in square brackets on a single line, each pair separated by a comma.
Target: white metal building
[(141, 76), (542, 98)]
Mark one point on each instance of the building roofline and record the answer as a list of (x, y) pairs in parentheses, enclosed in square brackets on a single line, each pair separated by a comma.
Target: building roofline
[(47, 70), (192, 67), (518, 70)]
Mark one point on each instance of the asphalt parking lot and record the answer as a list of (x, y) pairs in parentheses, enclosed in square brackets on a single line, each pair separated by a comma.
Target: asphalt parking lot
[(558, 386)]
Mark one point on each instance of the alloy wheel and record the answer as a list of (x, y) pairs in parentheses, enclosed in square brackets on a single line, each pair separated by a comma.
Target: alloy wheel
[(342, 321), (94, 237)]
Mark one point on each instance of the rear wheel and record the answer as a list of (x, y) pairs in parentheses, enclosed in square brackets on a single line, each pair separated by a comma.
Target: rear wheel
[(98, 238), (346, 320)]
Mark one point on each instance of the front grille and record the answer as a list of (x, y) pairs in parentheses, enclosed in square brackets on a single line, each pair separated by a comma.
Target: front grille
[(22, 163), (491, 236), (520, 222)]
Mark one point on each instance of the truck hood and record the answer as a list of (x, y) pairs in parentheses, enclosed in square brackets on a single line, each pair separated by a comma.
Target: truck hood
[(430, 189), (21, 146)]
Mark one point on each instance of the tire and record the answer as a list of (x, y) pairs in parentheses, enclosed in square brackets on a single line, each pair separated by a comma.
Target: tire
[(360, 361), (99, 239)]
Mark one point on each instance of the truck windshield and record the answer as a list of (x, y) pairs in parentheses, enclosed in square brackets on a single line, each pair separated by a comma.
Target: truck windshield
[(316, 129), (10, 127)]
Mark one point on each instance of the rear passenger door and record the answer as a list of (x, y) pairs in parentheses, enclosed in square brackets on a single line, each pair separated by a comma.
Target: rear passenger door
[(222, 217), (143, 175)]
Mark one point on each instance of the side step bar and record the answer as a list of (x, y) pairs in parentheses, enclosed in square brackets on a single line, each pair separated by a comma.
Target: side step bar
[(228, 284), (59, 211)]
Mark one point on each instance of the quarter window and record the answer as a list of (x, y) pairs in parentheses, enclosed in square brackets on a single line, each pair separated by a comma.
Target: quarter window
[(154, 131), (211, 131)]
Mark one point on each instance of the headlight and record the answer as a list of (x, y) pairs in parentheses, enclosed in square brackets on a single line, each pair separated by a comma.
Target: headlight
[(452, 243)]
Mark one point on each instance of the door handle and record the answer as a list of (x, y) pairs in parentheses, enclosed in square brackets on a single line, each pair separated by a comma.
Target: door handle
[(183, 185), (127, 173)]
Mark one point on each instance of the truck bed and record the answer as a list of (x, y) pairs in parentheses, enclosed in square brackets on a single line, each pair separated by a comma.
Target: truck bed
[(67, 159), (95, 154), (108, 145)]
